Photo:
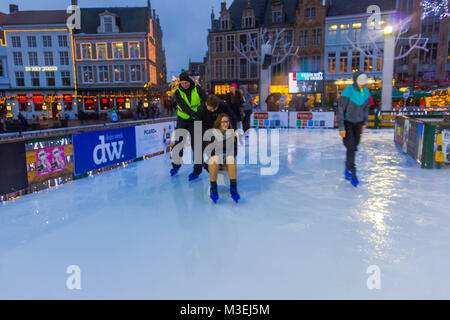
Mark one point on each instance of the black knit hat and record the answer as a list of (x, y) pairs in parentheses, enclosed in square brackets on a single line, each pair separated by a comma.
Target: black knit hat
[(184, 76)]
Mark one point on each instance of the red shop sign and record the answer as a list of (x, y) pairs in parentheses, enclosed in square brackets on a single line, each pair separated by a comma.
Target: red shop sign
[(304, 116), (261, 115)]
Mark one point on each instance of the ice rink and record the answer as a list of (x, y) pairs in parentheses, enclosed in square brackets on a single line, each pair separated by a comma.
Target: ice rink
[(303, 233)]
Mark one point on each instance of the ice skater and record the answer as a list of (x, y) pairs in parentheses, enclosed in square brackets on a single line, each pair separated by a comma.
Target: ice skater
[(352, 118), (188, 98), (223, 156)]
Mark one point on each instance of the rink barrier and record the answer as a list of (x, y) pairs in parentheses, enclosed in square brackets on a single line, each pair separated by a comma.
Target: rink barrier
[(301, 119), (30, 165), (425, 139)]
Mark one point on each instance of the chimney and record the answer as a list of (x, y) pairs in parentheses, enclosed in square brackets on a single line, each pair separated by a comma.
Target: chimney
[(13, 8), (223, 6)]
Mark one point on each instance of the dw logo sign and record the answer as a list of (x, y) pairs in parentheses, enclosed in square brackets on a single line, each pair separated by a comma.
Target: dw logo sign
[(99, 149)]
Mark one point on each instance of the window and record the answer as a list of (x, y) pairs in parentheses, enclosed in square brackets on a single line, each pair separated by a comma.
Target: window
[(276, 16), (248, 22), (17, 58), (332, 62), (119, 73), (20, 79), (86, 50), (35, 79), (134, 49), (303, 38), (243, 42), (65, 78), (243, 68), (355, 61), (230, 43), (107, 22), (48, 58), (62, 41), (276, 70), (219, 69), (135, 73), (88, 74), (254, 41), (47, 41), (224, 24), (64, 58), (230, 68), (219, 44), (50, 76), (2, 72), (101, 51), (343, 62), (315, 63), (288, 37), (316, 36), (31, 41), (304, 63), (32, 57), (15, 42), (103, 74), (368, 64), (310, 12), (253, 70), (380, 61), (118, 50)]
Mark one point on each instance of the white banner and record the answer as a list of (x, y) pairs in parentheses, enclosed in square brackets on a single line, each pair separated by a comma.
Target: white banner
[(269, 119), (311, 119), (446, 145), (153, 138)]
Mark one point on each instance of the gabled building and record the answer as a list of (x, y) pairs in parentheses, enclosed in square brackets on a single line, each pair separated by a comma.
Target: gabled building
[(4, 79), (119, 58), (40, 64)]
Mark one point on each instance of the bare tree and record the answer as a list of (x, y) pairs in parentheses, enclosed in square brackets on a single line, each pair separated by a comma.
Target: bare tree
[(369, 47), (280, 48)]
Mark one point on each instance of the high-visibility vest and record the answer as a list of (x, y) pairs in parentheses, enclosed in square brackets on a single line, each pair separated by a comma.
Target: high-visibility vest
[(193, 104)]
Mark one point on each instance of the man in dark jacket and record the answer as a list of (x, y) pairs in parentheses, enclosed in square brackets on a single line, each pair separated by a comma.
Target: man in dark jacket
[(352, 118), (209, 111), (188, 98)]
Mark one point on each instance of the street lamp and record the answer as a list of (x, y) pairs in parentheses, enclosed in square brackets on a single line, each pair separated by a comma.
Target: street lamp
[(388, 68)]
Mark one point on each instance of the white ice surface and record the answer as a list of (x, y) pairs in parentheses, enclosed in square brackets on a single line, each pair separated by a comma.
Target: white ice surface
[(304, 233)]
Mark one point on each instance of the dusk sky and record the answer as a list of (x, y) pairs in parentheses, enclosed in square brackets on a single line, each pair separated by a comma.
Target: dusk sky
[(185, 23)]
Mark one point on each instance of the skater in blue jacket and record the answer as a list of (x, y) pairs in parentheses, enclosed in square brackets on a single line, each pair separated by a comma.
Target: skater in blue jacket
[(352, 118)]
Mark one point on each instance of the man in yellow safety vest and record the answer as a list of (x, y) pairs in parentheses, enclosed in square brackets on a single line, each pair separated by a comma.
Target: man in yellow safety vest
[(188, 98)]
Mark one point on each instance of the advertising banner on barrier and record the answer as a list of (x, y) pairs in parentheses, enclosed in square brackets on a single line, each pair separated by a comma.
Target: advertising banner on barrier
[(50, 160), (153, 138), (13, 167), (446, 145), (269, 119), (311, 119), (99, 149)]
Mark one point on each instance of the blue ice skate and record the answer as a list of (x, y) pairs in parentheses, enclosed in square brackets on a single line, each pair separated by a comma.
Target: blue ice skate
[(193, 176), (213, 194), (348, 175), (354, 180), (234, 194), (174, 171)]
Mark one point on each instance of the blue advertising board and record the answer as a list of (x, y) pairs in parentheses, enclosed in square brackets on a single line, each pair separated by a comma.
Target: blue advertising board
[(99, 149)]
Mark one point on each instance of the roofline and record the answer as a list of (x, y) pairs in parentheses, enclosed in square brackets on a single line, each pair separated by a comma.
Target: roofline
[(85, 35), (12, 27)]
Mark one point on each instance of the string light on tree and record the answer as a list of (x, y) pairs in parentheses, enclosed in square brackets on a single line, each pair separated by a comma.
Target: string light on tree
[(432, 8)]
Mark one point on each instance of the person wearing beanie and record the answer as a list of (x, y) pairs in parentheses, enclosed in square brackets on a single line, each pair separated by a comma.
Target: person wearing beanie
[(248, 107), (235, 102), (188, 98), (352, 119)]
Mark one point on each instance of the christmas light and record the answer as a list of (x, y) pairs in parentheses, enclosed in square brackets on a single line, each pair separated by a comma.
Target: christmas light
[(432, 8)]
